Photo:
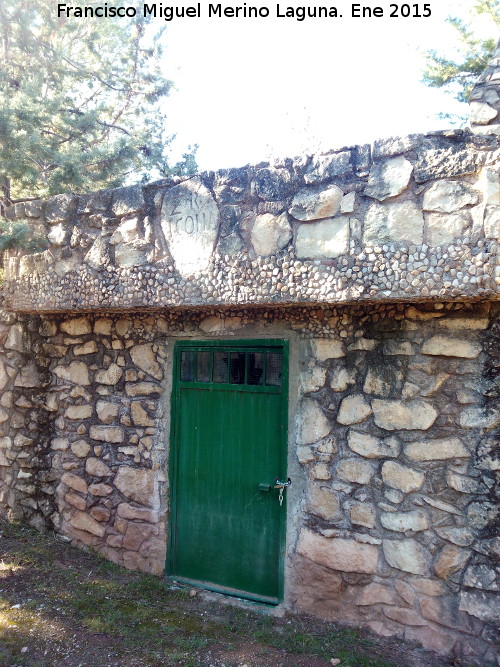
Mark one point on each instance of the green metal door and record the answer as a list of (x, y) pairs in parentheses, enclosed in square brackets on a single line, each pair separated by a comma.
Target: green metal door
[(229, 417)]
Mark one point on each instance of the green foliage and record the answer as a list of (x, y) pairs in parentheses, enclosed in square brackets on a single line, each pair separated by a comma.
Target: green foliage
[(81, 101), (459, 75), (20, 235)]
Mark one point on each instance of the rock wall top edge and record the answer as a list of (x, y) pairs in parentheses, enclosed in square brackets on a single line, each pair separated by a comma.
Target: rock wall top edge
[(407, 218)]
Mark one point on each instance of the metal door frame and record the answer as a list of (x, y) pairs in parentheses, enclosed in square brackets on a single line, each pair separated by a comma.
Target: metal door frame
[(279, 343)]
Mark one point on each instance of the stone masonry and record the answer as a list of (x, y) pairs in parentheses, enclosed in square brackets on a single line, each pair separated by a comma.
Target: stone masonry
[(394, 448), (380, 265), (413, 218)]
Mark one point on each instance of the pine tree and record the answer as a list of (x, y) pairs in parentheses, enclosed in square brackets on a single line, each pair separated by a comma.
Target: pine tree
[(81, 101), (458, 76)]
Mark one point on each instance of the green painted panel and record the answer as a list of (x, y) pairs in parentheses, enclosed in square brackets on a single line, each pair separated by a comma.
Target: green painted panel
[(226, 532)]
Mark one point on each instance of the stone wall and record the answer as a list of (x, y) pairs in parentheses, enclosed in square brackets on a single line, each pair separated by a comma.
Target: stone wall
[(26, 479), (380, 265), (393, 427), (406, 219), (399, 433), (81, 407)]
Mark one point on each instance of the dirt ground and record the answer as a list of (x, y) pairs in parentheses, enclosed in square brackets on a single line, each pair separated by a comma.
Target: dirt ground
[(60, 606)]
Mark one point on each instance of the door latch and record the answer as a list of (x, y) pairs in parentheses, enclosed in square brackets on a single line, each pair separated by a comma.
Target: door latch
[(281, 486)]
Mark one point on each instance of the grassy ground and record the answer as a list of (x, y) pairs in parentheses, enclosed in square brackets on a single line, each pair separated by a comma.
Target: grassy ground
[(61, 606)]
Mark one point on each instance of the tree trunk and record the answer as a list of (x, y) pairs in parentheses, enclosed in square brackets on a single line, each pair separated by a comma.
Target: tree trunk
[(4, 194)]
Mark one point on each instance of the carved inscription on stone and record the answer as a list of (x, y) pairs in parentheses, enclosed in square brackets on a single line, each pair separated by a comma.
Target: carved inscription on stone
[(190, 222)]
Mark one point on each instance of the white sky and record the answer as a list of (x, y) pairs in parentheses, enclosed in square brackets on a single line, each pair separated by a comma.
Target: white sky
[(252, 89)]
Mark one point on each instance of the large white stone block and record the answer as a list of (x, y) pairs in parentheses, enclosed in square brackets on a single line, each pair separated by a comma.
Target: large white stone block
[(436, 450), (389, 178), (316, 203), (323, 240), (312, 423), (451, 347), (449, 196), (407, 555), (443, 229), (338, 554), (397, 221), (413, 415), (190, 223), (402, 477), (353, 409), (270, 233)]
